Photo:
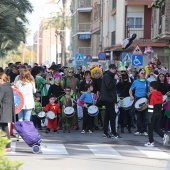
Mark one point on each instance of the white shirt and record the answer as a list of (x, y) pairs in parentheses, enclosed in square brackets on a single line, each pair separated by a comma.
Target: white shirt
[(152, 78)]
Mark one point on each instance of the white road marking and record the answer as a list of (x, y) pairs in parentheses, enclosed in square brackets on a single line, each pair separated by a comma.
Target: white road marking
[(103, 150), (54, 149), (153, 152)]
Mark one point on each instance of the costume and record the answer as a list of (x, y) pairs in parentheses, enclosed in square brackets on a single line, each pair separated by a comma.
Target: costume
[(56, 109)]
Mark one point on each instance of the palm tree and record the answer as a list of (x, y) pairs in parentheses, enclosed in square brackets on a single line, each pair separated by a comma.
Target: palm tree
[(12, 20)]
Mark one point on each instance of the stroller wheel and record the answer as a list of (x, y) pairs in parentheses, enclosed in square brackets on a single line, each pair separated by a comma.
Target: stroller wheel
[(35, 149)]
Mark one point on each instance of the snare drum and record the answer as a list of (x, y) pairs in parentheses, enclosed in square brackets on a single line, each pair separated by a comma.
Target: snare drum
[(165, 97), (141, 104), (69, 111), (93, 110), (41, 115), (127, 103), (50, 115)]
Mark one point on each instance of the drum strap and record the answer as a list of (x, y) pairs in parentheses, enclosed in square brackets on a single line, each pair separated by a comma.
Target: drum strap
[(147, 89)]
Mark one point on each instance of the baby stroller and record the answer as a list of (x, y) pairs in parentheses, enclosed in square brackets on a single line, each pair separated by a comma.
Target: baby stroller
[(29, 134)]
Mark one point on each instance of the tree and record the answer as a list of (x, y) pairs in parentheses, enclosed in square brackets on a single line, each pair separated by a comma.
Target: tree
[(12, 20)]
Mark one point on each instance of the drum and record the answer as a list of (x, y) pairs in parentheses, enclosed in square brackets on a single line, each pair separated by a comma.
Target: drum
[(41, 115), (93, 110), (127, 103), (165, 97), (69, 111), (141, 104), (50, 115)]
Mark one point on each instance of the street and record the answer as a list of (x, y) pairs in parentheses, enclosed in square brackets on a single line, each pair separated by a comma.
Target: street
[(76, 151)]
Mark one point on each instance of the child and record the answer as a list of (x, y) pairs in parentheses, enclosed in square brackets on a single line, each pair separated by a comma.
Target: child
[(38, 109), (52, 106), (66, 101), (154, 115), (88, 100)]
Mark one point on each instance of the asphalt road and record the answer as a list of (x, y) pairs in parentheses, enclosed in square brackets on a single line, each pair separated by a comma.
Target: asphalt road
[(76, 151)]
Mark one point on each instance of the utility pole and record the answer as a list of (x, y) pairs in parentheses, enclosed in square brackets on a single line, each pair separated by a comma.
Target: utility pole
[(63, 59)]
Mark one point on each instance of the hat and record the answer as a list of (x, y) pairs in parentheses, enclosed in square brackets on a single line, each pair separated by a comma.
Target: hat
[(113, 66), (142, 69)]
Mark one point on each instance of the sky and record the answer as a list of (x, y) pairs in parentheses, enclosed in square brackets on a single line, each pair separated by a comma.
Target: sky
[(34, 17)]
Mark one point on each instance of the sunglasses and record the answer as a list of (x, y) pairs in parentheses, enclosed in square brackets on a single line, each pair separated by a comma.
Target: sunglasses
[(52, 99), (96, 72), (123, 71), (79, 69), (70, 71)]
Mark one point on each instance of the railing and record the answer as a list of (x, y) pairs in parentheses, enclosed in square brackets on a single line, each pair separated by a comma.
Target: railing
[(84, 3), (84, 27), (85, 50), (142, 31)]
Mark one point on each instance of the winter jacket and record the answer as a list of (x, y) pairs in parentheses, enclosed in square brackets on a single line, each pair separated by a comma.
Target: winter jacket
[(108, 89), (155, 102)]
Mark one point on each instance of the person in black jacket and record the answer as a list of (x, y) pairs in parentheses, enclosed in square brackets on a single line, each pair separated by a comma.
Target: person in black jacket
[(109, 98)]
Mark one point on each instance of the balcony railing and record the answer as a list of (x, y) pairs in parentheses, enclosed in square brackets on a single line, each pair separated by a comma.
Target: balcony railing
[(84, 27), (143, 32), (84, 3), (85, 50)]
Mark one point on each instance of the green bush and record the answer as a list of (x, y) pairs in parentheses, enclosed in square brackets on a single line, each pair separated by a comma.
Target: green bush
[(6, 163)]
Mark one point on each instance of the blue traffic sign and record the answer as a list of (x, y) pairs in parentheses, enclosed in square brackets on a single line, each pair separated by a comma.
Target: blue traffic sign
[(79, 56), (126, 57), (137, 60), (102, 56), (88, 58)]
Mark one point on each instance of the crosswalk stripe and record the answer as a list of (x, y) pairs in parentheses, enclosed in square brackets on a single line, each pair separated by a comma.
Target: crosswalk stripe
[(153, 152), (103, 150), (54, 149)]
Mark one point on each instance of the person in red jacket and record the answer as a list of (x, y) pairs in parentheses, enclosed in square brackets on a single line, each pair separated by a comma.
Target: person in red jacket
[(55, 108), (154, 115)]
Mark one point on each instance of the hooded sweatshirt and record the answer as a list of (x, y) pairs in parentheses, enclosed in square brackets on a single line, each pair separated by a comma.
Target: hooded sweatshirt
[(155, 102)]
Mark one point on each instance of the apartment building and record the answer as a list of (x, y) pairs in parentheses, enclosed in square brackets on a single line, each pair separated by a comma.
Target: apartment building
[(81, 27), (121, 18)]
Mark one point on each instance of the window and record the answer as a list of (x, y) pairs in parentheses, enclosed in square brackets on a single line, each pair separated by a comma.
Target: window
[(135, 22), (113, 37), (113, 4)]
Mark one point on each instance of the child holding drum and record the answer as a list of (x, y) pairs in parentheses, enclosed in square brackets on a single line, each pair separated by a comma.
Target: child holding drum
[(67, 102), (88, 99), (53, 110), (154, 115)]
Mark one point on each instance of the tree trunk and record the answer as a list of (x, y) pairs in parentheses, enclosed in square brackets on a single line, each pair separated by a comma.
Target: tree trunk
[(63, 60)]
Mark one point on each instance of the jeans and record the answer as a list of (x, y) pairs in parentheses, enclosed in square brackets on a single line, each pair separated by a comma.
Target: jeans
[(141, 121), (24, 114)]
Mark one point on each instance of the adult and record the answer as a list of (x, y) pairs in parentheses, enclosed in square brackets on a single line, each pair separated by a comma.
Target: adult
[(141, 88), (151, 76), (164, 88), (7, 110), (26, 86), (79, 74), (13, 72), (109, 98)]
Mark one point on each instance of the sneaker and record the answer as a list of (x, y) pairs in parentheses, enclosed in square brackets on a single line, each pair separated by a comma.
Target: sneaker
[(106, 136), (149, 144), (47, 131), (145, 134), (55, 131), (117, 136), (7, 150), (68, 131), (137, 134), (83, 131), (165, 140), (90, 132), (96, 128)]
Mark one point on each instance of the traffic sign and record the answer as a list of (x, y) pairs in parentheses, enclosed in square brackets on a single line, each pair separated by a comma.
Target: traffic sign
[(88, 58), (137, 60), (137, 50), (79, 63), (126, 57), (102, 56), (79, 56)]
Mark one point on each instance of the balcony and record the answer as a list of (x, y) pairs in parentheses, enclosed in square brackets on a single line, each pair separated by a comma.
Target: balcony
[(85, 50), (160, 32), (143, 32), (84, 6), (84, 27)]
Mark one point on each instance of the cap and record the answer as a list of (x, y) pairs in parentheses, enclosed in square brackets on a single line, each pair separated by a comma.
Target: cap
[(113, 66)]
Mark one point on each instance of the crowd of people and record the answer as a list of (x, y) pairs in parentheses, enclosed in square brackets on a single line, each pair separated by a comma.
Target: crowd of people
[(52, 90)]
